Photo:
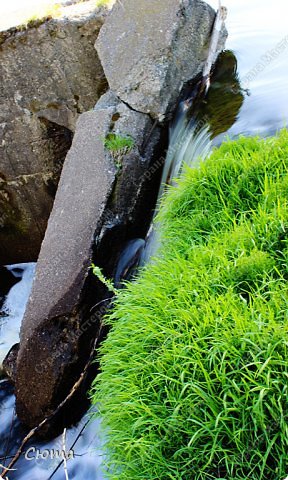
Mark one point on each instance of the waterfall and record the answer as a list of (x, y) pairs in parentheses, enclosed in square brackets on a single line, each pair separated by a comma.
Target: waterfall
[(189, 143)]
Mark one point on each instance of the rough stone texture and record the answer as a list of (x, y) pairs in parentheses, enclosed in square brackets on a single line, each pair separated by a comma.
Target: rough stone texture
[(48, 75), (10, 362), (54, 346), (149, 52)]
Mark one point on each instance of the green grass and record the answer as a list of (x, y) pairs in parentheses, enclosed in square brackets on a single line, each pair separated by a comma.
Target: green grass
[(104, 3), (194, 371), (118, 143), (101, 277), (118, 146), (42, 14), (53, 10)]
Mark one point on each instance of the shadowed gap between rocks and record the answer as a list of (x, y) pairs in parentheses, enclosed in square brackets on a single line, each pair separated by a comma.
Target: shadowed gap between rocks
[(23, 220)]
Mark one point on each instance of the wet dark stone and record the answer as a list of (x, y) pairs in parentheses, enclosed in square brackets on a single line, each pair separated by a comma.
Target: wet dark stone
[(10, 361), (7, 280)]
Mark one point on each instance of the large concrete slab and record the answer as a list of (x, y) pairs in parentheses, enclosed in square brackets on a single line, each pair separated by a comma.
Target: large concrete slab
[(97, 192), (150, 50)]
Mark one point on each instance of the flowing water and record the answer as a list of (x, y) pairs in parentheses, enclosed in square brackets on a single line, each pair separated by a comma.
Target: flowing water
[(248, 95), (14, 307), (82, 441), (258, 37)]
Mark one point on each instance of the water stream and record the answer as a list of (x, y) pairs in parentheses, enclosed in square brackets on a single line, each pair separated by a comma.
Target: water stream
[(248, 95), (13, 308)]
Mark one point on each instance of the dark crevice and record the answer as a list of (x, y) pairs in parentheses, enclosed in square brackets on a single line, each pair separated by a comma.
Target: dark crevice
[(116, 232), (58, 140), (131, 108)]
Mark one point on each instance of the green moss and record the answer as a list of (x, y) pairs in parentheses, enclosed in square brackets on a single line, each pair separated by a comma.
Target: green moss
[(118, 146), (118, 143), (193, 382)]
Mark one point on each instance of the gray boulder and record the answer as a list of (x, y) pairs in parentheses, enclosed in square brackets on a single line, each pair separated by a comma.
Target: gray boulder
[(149, 52), (100, 190), (49, 74)]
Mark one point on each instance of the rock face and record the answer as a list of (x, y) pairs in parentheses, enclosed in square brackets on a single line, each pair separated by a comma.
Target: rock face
[(149, 49), (148, 52), (99, 191), (48, 75)]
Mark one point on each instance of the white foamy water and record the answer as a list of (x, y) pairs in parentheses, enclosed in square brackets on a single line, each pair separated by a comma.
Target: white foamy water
[(44, 460), (82, 440), (14, 307), (84, 455)]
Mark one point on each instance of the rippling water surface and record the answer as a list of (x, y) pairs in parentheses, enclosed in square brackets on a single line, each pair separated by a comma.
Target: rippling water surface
[(258, 36)]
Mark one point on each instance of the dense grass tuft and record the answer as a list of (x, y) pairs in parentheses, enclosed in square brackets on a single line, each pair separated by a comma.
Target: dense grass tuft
[(194, 371)]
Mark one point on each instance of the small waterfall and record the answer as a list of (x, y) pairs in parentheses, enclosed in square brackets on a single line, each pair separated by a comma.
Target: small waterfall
[(190, 142), (44, 460)]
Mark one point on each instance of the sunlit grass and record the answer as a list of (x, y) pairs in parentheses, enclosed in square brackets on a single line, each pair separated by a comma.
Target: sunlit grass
[(20, 13), (194, 370), (46, 11), (105, 3), (56, 10), (118, 143), (31, 13)]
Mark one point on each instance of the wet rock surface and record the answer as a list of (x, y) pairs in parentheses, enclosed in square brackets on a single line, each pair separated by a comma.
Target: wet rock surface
[(149, 52), (49, 74)]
